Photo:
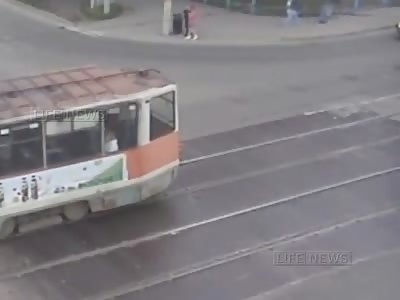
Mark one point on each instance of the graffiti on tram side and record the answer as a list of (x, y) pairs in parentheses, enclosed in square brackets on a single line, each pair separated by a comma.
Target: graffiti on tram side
[(41, 184)]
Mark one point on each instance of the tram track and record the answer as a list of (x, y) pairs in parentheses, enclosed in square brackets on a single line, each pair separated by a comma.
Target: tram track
[(207, 185), (329, 272), (236, 255), (232, 179), (258, 274), (337, 218), (284, 139), (234, 211), (197, 161), (190, 161), (155, 236)]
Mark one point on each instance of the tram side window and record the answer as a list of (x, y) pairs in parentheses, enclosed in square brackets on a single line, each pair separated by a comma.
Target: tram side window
[(21, 148), (162, 115), (120, 128), (74, 139)]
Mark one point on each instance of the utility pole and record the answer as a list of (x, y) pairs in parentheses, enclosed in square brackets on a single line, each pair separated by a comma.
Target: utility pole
[(167, 11), (107, 6)]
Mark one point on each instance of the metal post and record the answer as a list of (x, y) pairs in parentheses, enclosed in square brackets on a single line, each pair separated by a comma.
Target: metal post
[(144, 122), (356, 6), (102, 115), (44, 146), (253, 6), (228, 4), (107, 6), (166, 28)]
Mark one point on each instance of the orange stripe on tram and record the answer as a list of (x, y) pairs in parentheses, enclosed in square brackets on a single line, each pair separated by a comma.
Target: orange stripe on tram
[(155, 155)]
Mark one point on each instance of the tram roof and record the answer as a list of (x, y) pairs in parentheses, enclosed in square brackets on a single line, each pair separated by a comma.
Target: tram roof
[(72, 88)]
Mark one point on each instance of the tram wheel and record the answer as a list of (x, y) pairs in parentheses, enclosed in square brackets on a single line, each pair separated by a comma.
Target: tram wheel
[(7, 229), (76, 211)]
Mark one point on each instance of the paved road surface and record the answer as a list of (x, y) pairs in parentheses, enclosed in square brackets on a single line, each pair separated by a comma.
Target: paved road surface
[(329, 186), (214, 235), (256, 83)]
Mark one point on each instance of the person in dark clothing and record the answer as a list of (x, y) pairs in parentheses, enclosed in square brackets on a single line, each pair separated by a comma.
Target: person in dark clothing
[(186, 13), (190, 15)]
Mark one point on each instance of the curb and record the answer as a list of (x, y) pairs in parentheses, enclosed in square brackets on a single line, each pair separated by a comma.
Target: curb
[(201, 43), (341, 35), (54, 20)]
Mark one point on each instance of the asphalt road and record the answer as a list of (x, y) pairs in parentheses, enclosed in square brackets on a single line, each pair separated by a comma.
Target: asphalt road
[(215, 235), (256, 83)]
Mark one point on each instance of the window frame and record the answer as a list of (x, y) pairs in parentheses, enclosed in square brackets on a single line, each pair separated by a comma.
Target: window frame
[(172, 101), (43, 124), (71, 121), (119, 106), (26, 124)]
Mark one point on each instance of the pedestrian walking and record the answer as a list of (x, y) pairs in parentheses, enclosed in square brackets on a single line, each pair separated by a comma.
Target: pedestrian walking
[(186, 22), (327, 10), (292, 11), (190, 16)]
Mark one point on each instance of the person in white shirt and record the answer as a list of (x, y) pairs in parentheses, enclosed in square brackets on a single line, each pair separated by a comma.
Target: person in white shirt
[(110, 141), (292, 10)]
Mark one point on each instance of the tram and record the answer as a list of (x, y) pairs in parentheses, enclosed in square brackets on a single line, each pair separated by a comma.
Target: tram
[(84, 140)]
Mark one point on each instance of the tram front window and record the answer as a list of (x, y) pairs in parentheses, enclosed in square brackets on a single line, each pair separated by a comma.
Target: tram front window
[(162, 120), (5, 154), (73, 139)]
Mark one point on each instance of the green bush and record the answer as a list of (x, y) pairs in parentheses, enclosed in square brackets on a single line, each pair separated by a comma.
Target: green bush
[(97, 13)]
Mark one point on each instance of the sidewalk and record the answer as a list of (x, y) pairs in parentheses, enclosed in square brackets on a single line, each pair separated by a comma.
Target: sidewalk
[(143, 23), (221, 27)]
